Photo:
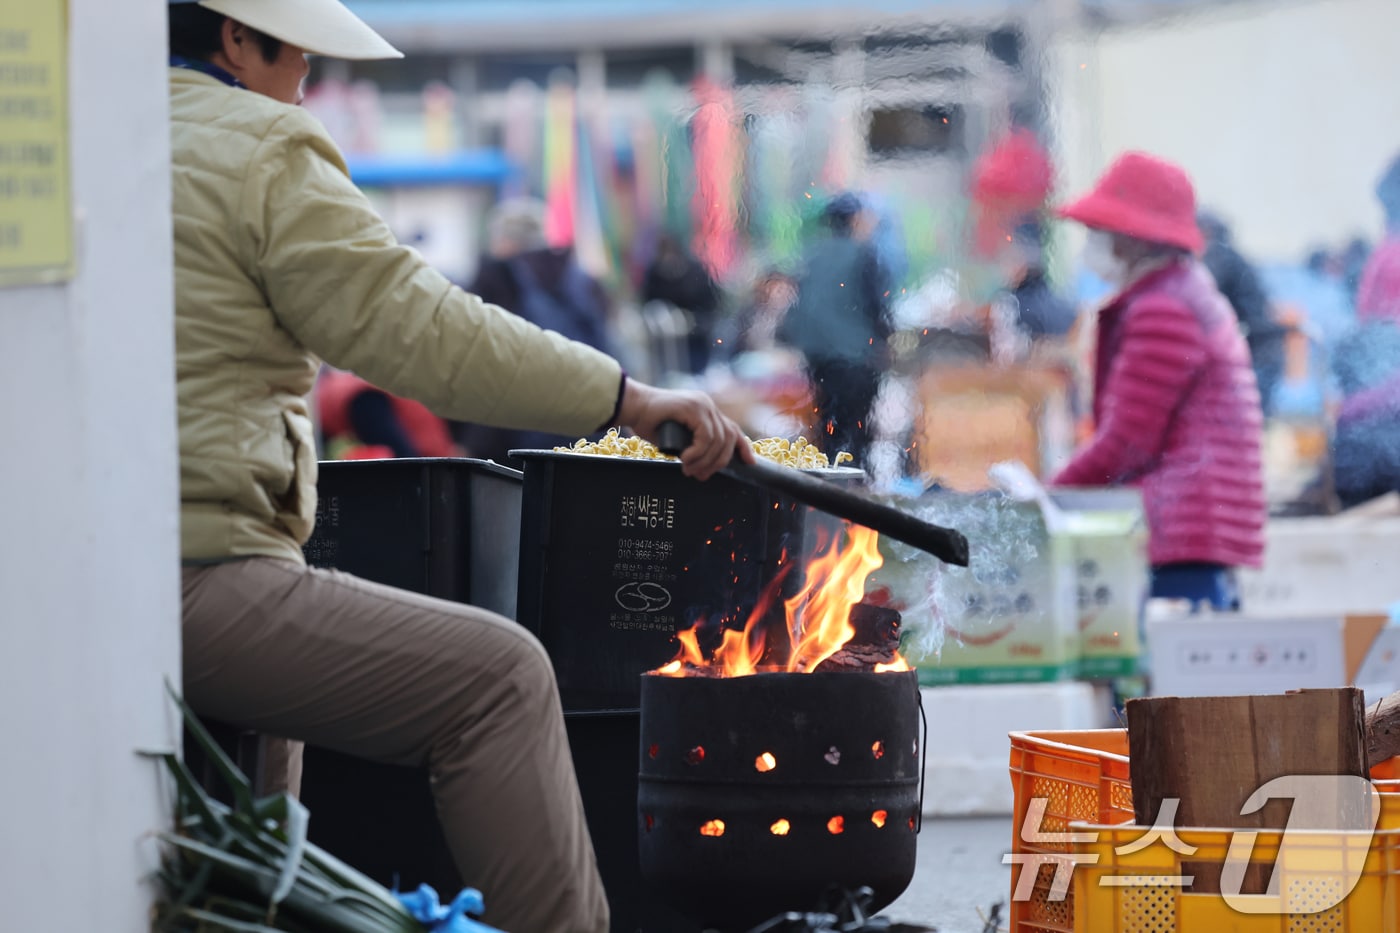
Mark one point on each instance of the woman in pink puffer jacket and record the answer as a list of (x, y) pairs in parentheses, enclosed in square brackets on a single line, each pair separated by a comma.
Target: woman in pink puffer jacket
[(1176, 408)]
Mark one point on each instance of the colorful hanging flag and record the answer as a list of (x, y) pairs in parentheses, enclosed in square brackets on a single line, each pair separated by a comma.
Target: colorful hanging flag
[(560, 164)]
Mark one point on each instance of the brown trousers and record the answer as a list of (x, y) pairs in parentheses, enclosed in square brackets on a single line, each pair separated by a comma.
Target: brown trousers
[(327, 658)]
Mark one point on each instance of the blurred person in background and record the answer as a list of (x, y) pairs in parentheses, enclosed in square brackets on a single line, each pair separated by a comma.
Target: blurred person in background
[(1176, 408), (1318, 287), (548, 288), (1366, 439), (1239, 282), (1378, 292), (677, 278), (545, 285), (280, 262), (359, 422), (1319, 263), (1037, 310), (1353, 260), (840, 324), (1011, 185), (754, 327)]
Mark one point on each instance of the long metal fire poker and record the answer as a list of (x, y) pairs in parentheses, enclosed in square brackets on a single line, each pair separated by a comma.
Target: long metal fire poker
[(947, 544)]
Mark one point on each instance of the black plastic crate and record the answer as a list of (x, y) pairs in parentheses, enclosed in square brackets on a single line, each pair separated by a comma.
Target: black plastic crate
[(617, 555), (448, 528)]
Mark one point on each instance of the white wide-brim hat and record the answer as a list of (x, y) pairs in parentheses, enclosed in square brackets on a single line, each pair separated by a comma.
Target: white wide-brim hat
[(321, 27)]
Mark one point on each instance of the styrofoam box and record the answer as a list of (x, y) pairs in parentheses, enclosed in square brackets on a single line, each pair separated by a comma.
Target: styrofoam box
[(1229, 655), (965, 757), (1333, 565)]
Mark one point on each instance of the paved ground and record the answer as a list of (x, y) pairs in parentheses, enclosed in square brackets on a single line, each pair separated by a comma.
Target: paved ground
[(959, 874)]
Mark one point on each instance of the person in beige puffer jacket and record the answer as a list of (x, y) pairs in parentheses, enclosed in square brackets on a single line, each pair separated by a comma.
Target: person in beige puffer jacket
[(280, 264)]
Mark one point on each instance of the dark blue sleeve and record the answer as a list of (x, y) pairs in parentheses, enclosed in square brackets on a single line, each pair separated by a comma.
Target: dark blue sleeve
[(373, 420)]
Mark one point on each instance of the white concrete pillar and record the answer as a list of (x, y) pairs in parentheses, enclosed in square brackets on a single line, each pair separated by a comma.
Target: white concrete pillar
[(89, 598)]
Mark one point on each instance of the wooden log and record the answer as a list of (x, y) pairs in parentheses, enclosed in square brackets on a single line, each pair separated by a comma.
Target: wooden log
[(876, 627), (1383, 730), (876, 640), (1212, 753), (862, 659)]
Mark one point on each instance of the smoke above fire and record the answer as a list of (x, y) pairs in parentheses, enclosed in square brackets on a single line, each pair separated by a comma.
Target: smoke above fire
[(1005, 538)]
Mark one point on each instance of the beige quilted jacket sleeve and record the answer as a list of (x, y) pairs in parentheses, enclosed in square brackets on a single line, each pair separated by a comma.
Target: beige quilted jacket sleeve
[(340, 283)]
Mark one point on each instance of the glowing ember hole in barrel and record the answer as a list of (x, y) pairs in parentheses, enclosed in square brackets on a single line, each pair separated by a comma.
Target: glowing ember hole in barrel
[(713, 828), (780, 828), (765, 762)]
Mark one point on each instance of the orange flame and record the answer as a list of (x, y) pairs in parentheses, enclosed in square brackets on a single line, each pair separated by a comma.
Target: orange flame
[(818, 617), (690, 653), (713, 828), (690, 646), (740, 652), (836, 825), (765, 762), (878, 818), (780, 828)]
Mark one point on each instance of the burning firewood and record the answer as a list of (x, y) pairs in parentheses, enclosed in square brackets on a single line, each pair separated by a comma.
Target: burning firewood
[(876, 627), (876, 640), (862, 660)]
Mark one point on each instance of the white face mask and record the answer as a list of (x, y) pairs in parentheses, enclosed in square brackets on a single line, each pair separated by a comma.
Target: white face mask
[(1099, 259)]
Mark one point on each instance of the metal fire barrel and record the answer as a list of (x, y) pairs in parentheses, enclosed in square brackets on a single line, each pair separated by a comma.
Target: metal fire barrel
[(763, 794)]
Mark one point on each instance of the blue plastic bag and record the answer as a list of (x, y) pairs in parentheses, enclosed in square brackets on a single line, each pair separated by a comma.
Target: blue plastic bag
[(423, 906)]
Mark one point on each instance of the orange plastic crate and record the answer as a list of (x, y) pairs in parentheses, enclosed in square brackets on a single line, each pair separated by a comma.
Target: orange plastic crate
[(1083, 777), (1310, 873)]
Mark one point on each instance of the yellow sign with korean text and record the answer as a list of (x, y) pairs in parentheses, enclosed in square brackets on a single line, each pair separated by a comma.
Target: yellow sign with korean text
[(36, 217)]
